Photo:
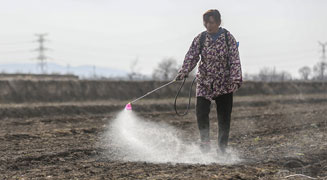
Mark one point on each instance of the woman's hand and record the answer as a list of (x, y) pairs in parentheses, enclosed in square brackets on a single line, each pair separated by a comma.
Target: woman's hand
[(180, 76)]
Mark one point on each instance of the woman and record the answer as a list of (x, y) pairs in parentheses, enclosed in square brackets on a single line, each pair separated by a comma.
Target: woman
[(219, 75)]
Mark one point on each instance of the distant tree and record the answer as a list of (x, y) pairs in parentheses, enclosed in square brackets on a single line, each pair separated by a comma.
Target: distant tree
[(284, 76), (166, 70), (320, 70), (267, 74), (134, 73), (305, 72), (264, 74)]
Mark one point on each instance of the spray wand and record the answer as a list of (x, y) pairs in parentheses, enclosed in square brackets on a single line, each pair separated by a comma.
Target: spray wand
[(129, 105)]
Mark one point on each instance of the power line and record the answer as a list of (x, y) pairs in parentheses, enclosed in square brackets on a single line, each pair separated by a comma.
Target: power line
[(14, 43), (15, 51)]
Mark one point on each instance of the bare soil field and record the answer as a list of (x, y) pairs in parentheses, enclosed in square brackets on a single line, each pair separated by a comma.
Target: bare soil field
[(276, 136)]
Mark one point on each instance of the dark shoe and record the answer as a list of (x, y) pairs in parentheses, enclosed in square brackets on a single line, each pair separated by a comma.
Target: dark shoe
[(205, 146), (224, 156), (221, 151), (222, 148)]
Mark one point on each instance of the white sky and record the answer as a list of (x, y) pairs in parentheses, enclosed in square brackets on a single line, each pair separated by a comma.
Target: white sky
[(280, 33)]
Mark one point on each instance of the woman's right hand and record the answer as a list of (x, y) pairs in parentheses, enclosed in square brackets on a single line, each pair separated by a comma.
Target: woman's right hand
[(180, 76)]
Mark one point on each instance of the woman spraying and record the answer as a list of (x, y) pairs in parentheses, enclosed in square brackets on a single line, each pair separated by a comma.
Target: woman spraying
[(219, 75)]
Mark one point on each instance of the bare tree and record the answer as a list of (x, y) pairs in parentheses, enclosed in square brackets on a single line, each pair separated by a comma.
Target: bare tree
[(264, 74), (268, 75), (247, 77), (166, 70), (284, 76), (305, 71), (134, 75), (320, 70)]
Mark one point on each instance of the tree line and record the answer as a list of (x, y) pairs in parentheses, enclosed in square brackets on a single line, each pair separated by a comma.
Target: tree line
[(167, 69)]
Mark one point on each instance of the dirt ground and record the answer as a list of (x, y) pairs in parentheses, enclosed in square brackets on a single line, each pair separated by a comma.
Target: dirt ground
[(275, 136)]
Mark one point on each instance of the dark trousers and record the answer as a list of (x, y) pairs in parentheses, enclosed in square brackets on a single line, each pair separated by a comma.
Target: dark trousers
[(224, 110)]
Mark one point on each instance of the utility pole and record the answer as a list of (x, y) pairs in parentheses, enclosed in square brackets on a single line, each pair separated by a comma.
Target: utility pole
[(41, 55), (68, 69), (323, 45), (94, 72)]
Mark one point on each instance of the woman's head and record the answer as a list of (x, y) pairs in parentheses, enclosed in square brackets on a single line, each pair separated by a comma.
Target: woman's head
[(212, 20)]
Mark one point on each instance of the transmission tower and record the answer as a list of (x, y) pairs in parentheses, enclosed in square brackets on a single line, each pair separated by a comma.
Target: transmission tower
[(323, 64), (41, 58)]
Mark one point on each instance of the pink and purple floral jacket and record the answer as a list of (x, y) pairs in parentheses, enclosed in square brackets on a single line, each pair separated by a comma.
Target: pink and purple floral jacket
[(214, 77)]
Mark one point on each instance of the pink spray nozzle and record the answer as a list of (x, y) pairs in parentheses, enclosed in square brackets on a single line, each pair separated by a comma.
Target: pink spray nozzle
[(128, 106)]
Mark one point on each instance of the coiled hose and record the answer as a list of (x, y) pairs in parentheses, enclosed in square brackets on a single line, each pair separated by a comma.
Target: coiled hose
[(189, 96)]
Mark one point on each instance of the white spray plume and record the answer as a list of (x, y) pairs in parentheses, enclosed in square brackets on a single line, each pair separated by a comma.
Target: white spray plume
[(131, 138)]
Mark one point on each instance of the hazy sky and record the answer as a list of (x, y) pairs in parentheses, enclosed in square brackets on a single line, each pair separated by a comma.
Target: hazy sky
[(280, 33)]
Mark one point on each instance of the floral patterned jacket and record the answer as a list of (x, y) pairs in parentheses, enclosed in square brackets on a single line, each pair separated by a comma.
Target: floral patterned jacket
[(214, 77)]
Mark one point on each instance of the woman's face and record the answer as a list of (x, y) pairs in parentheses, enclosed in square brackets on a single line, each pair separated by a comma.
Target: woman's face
[(211, 25)]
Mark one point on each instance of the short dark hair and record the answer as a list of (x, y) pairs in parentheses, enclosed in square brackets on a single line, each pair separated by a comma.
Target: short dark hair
[(214, 13)]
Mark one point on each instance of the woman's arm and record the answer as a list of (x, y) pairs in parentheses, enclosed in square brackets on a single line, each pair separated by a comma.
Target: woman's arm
[(235, 63), (191, 58)]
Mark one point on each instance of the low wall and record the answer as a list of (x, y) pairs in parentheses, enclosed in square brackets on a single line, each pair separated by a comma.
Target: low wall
[(37, 77), (20, 91)]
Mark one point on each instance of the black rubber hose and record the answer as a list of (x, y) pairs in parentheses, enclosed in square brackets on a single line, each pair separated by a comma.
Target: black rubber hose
[(189, 96)]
